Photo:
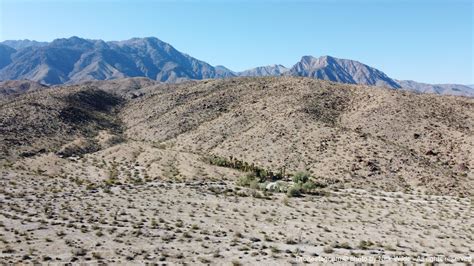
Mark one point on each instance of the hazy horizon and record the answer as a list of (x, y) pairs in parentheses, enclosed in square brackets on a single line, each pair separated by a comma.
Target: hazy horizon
[(425, 41)]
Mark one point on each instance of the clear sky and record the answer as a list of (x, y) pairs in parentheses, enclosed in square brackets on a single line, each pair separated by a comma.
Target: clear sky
[(427, 41)]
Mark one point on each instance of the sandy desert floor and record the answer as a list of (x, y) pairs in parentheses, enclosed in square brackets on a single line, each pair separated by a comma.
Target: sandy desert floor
[(49, 220)]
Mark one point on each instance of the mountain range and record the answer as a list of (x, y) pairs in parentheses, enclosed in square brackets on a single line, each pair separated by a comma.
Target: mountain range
[(75, 60)]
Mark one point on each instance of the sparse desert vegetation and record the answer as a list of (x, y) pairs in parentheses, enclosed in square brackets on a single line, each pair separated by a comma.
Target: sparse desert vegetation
[(242, 171)]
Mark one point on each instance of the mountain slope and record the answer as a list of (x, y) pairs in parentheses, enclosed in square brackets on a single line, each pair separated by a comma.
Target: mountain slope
[(5, 55), (20, 44), (271, 70), (45, 120), (444, 89), (224, 72), (160, 61), (341, 70), (127, 88), (75, 60), (48, 65)]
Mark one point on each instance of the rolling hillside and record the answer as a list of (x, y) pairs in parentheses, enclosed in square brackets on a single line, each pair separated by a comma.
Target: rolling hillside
[(345, 135)]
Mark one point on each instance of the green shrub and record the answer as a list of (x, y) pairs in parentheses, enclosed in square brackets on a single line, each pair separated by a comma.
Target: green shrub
[(300, 177), (219, 161), (308, 186), (247, 180), (262, 174), (294, 191)]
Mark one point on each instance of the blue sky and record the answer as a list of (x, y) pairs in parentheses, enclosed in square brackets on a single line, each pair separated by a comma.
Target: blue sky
[(427, 41)]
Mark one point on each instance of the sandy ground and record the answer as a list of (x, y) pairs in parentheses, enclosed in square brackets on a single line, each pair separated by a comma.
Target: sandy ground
[(51, 220)]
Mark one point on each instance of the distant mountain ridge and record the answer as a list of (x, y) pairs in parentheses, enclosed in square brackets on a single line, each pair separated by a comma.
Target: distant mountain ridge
[(20, 44), (264, 71), (74, 60), (341, 70), (444, 89)]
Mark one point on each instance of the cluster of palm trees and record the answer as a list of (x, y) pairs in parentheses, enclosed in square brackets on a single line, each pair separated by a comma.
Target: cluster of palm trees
[(259, 172)]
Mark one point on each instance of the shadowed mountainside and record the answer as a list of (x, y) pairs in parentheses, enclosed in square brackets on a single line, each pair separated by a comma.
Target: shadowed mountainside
[(43, 121)]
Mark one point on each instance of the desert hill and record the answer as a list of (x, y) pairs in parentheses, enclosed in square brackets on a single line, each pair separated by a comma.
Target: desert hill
[(345, 135), (17, 87), (353, 135), (41, 121)]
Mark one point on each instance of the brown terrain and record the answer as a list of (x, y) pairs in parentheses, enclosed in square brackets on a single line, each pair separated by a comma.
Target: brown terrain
[(11, 88), (132, 171)]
